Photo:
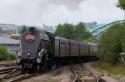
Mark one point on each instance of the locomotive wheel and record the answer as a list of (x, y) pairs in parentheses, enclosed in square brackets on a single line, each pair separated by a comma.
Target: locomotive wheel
[(46, 62), (43, 66), (39, 68)]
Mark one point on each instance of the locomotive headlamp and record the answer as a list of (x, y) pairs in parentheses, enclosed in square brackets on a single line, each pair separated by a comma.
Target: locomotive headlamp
[(38, 60), (29, 54)]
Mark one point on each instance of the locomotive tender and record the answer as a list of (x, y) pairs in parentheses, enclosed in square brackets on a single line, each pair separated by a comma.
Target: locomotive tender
[(42, 50)]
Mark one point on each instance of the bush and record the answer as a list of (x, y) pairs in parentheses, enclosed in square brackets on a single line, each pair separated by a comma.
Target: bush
[(5, 55), (11, 56), (112, 43)]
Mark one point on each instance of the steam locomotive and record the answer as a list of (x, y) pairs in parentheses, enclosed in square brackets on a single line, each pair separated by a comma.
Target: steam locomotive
[(40, 50)]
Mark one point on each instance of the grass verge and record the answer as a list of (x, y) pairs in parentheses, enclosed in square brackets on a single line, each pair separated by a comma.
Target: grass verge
[(116, 71)]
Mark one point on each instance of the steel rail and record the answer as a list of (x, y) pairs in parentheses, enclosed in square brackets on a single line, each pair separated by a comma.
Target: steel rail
[(77, 77), (97, 76), (7, 70), (21, 77)]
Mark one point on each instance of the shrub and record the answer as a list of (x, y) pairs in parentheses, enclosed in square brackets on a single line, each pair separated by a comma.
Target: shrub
[(11, 56), (112, 43), (5, 55)]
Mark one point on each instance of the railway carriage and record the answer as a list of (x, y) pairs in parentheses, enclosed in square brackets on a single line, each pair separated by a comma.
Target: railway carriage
[(74, 51), (42, 50)]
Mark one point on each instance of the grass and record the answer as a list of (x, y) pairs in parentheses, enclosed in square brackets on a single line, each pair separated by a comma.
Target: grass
[(116, 71)]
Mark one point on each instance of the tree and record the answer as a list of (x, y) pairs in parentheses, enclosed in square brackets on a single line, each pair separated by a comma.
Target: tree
[(112, 43), (121, 4), (65, 30), (24, 29), (123, 38), (81, 33), (76, 32), (91, 39)]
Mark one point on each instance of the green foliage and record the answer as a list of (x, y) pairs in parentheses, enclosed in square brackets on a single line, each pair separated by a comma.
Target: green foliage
[(11, 56), (76, 32), (65, 30), (81, 33), (121, 4), (123, 43), (91, 39), (112, 43), (5, 55), (24, 29)]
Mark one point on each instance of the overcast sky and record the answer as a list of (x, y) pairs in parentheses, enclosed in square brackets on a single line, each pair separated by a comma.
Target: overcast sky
[(53, 12)]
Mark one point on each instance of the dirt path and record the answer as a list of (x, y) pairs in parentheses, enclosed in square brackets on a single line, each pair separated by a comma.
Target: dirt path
[(59, 75)]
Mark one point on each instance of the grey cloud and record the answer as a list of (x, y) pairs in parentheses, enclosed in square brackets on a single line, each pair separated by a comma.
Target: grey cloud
[(70, 4), (52, 12)]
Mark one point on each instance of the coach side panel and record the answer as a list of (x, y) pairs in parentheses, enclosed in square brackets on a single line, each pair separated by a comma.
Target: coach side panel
[(74, 48), (61, 47), (84, 49), (57, 40)]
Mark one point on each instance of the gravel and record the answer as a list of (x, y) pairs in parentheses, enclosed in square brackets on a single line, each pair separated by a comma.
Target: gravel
[(59, 75)]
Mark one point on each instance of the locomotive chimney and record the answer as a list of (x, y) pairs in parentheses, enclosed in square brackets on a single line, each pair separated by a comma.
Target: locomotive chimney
[(31, 30)]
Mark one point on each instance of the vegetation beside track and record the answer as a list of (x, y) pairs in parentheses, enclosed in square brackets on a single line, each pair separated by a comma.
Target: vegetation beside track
[(5, 55), (117, 71), (112, 43)]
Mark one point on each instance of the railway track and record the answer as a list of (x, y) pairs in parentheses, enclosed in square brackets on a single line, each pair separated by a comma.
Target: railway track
[(9, 73), (6, 64), (13, 74), (81, 74), (7, 69), (20, 77), (76, 76), (97, 76)]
